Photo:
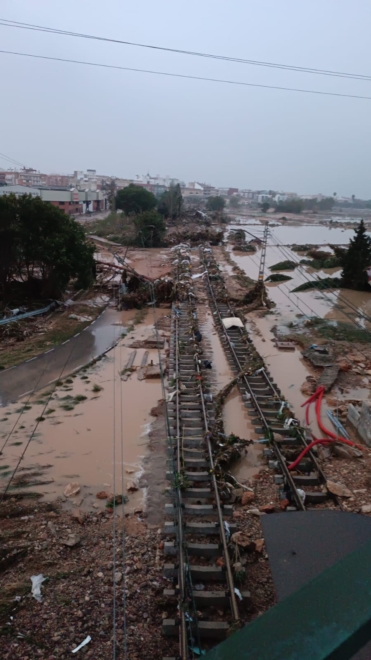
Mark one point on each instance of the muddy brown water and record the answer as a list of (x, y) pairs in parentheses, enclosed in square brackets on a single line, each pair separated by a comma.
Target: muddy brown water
[(308, 303), (109, 428), (289, 369), (235, 416)]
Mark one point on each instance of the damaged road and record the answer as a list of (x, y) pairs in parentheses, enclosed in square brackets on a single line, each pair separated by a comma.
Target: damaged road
[(61, 360)]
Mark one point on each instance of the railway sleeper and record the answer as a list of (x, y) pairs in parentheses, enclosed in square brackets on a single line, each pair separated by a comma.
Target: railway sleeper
[(192, 476), (210, 598), (312, 479), (203, 528), (195, 549), (316, 497), (207, 573), (198, 509), (196, 442), (208, 629)]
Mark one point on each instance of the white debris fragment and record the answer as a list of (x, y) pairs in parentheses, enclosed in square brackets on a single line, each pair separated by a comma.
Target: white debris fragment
[(84, 643), (37, 581)]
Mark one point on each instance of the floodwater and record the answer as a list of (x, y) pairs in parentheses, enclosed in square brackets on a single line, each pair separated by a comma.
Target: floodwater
[(328, 304), (96, 338), (289, 369), (235, 415), (108, 427), (314, 234)]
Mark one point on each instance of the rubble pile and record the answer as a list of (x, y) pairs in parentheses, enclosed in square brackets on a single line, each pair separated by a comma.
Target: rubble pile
[(240, 244), (133, 289), (256, 296), (195, 235), (75, 554)]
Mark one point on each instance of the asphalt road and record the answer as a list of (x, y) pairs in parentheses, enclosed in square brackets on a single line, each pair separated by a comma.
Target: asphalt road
[(61, 360)]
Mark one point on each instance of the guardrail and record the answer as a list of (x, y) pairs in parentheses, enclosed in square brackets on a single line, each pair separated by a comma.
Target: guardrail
[(27, 315)]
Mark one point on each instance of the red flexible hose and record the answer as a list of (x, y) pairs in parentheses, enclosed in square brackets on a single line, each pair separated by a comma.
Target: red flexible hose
[(332, 436), (307, 403), (338, 438), (293, 465)]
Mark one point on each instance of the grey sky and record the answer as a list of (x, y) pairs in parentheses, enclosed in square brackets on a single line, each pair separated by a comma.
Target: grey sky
[(61, 117)]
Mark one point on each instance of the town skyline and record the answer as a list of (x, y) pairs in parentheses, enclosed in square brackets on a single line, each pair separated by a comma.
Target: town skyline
[(29, 176)]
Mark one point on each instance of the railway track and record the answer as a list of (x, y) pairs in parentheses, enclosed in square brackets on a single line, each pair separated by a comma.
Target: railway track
[(306, 485), (199, 529)]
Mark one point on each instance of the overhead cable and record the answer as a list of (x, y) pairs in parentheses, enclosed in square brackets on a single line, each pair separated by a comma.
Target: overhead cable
[(285, 67), (188, 77)]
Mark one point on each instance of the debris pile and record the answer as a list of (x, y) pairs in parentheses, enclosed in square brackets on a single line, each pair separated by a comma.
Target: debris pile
[(196, 235), (240, 244), (134, 290), (255, 297)]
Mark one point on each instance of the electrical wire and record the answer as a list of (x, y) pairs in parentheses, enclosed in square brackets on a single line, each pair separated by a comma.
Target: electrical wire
[(36, 426), (315, 277), (279, 286), (187, 77), (123, 539), (11, 160), (24, 407), (346, 302), (332, 303), (328, 300), (114, 620), (286, 67)]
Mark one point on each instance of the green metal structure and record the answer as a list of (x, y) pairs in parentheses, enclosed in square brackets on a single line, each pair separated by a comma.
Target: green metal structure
[(327, 619)]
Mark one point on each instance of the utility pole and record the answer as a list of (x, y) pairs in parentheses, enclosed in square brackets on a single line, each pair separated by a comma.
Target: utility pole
[(263, 254)]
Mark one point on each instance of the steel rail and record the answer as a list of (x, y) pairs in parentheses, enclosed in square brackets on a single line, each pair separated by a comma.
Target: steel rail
[(188, 628), (234, 606), (183, 624), (255, 402)]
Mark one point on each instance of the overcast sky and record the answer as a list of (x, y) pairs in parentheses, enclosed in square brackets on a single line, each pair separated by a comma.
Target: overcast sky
[(58, 117)]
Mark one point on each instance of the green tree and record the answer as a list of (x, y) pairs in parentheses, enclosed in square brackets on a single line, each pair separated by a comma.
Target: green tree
[(234, 202), (356, 260), (216, 203), (194, 201), (150, 229), (314, 204), (9, 239), (135, 199), (46, 247), (170, 203), (264, 206), (353, 198), (295, 205)]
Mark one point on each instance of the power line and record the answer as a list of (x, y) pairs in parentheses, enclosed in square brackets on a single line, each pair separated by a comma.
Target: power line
[(12, 160), (180, 75), (114, 615), (285, 67), (25, 405), (315, 277), (39, 419)]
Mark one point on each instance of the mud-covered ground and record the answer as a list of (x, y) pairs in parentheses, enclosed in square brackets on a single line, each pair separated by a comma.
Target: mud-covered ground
[(89, 587), (104, 572)]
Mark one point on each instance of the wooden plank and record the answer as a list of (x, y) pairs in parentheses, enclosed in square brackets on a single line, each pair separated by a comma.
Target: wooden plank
[(126, 372)]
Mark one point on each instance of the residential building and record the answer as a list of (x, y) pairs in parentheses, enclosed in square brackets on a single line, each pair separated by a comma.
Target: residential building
[(192, 192), (73, 202), (264, 197), (247, 194)]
